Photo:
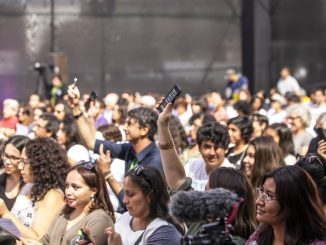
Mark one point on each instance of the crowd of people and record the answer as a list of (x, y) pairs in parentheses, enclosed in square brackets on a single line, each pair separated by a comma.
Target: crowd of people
[(77, 169)]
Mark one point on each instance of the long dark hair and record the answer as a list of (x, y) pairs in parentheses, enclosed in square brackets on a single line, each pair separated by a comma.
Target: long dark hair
[(49, 166), (19, 142), (152, 183), (317, 170), (296, 194), (267, 157), (94, 179), (235, 180), (286, 140), (71, 131)]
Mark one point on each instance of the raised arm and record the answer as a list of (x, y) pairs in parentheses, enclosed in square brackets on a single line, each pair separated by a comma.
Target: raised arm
[(86, 126), (173, 168)]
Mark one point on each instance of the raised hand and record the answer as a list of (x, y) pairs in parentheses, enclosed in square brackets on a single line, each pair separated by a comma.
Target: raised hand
[(114, 237), (73, 95), (165, 116), (104, 160)]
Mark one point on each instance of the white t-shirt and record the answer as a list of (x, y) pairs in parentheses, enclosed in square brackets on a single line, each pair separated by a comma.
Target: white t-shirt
[(78, 152), (276, 117), (129, 237), (118, 172), (23, 208), (289, 84), (195, 169)]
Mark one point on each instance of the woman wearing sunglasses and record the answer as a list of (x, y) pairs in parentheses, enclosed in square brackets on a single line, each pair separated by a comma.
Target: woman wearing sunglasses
[(147, 220), (289, 209), (11, 181), (88, 207), (44, 166)]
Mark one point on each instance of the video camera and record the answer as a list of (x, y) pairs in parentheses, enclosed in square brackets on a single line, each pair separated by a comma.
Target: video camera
[(214, 233)]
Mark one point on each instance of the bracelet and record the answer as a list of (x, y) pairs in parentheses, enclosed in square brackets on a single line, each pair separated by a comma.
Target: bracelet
[(166, 146), (108, 176), (78, 115)]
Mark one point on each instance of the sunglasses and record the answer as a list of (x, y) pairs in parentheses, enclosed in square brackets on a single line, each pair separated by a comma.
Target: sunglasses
[(89, 165), (138, 171), (310, 158)]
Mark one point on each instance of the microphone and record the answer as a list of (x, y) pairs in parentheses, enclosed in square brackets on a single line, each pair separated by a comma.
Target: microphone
[(197, 206)]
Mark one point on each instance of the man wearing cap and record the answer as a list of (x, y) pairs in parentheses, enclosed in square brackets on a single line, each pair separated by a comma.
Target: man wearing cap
[(235, 82)]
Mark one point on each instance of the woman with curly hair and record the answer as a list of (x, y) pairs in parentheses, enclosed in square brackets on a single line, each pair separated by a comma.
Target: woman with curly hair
[(44, 167)]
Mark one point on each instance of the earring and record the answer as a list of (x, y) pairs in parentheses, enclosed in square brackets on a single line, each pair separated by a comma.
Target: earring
[(93, 198)]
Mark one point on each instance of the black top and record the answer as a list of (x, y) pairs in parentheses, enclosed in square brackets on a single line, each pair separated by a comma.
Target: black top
[(235, 159), (9, 202)]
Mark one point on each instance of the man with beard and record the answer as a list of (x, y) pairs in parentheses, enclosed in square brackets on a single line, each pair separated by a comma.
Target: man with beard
[(140, 128)]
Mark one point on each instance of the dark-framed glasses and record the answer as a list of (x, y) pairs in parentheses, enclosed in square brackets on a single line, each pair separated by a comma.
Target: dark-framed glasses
[(264, 195), (24, 161), (89, 165), (11, 159)]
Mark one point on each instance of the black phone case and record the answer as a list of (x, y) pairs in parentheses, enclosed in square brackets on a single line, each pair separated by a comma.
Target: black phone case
[(320, 133), (170, 97)]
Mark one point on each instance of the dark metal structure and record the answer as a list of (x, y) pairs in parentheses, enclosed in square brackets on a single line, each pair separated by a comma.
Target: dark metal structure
[(148, 45), (122, 45)]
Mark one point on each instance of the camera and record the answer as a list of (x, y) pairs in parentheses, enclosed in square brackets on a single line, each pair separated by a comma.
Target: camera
[(216, 233), (39, 67)]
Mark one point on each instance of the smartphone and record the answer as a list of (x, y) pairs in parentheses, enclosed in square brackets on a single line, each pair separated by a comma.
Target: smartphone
[(92, 98), (321, 134), (84, 236), (75, 81), (170, 97)]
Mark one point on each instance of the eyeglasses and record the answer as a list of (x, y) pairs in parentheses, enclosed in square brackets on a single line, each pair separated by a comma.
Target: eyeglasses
[(263, 195), (293, 117), (310, 158), (89, 165), (24, 161), (12, 159)]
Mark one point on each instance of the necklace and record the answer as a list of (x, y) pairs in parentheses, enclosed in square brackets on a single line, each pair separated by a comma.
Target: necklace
[(137, 227)]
